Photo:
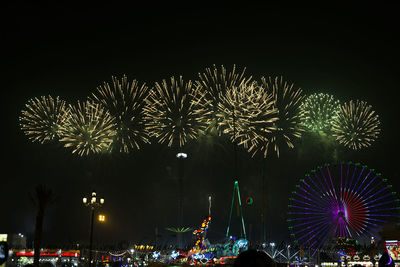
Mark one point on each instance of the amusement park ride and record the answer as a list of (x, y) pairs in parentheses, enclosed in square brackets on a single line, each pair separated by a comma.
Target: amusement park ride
[(204, 253)]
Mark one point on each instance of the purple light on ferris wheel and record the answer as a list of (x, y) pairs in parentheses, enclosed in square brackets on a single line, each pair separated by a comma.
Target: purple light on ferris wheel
[(344, 200)]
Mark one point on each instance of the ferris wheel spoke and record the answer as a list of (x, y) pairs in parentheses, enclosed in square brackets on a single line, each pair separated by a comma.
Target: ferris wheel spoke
[(323, 192), (357, 224), (305, 218), (320, 187), (361, 185), (352, 178), (358, 179), (365, 179), (381, 204), (331, 184), (324, 237), (354, 201), (317, 229), (319, 235), (367, 223), (305, 208), (379, 210), (308, 193), (305, 203), (381, 197), (294, 212), (385, 215), (371, 189), (376, 220), (308, 228), (312, 222), (374, 194), (340, 229)]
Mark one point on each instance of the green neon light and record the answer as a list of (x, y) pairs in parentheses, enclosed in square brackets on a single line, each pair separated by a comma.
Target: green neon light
[(240, 206), (236, 188), (230, 214)]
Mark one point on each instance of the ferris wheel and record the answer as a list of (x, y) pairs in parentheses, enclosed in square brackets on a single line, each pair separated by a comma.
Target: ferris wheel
[(342, 200)]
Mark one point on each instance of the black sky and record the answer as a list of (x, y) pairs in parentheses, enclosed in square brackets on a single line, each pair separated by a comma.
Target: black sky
[(70, 49)]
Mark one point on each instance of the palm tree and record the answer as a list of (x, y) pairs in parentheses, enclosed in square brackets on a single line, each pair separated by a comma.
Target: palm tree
[(42, 197)]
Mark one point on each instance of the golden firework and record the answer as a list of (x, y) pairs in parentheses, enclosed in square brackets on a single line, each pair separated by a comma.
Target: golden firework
[(176, 112), (246, 113), (287, 100), (357, 125), (89, 128), (215, 82), (126, 102), (42, 118)]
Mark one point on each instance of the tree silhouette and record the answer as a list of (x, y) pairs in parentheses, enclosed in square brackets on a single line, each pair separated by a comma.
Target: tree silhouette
[(41, 198)]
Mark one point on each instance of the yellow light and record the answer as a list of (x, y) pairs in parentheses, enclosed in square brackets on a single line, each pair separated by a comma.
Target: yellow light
[(102, 218), (3, 237)]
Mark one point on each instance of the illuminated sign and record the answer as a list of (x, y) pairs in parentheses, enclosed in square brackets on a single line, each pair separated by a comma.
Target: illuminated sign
[(393, 248), (3, 237)]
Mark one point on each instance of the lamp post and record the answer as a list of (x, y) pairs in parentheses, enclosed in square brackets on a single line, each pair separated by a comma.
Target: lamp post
[(181, 157), (92, 203)]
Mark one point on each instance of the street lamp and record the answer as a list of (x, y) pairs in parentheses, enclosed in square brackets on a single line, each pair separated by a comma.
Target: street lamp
[(181, 157), (93, 203), (102, 218)]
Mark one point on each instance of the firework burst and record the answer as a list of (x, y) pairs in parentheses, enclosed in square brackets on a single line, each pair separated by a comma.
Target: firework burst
[(88, 129), (287, 100), (318, 111), (175, 112), (263, 121), (215, 83), (125, 101), (42, 118), (357, 125), (246, 112)]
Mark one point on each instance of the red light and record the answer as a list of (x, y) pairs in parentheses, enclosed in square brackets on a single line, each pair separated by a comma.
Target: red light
[(24, 253), (65, 254)]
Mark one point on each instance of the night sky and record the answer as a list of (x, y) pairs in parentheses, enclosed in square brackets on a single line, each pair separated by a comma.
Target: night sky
[(68, 50)]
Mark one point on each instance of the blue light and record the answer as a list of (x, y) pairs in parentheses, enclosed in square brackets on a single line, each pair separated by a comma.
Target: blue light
[(174, 254), (156, 254)]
